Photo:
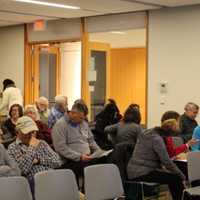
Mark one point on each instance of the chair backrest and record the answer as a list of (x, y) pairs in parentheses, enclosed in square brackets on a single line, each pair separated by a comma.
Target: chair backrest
[(193, 159), (16, 188), (56, 184), (177, 141), (102, 182)]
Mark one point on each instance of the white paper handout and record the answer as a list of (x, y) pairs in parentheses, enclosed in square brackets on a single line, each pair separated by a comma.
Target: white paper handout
[(100, 153)]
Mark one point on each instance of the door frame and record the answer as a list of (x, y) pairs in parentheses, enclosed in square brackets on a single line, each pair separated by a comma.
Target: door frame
[(105, 47), (32, 71), (98, 46)]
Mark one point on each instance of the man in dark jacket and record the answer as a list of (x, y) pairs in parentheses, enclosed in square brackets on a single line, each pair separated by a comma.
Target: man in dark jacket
[(188, 122)]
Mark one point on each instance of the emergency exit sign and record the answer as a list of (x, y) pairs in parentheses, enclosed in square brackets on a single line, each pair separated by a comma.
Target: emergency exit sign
[(39, 25)]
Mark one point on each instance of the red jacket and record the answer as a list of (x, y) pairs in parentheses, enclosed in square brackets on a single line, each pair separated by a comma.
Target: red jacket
[(172, 150), (44, 132)]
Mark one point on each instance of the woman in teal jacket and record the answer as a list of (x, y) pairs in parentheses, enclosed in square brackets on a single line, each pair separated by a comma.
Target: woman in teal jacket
[(196, 135)]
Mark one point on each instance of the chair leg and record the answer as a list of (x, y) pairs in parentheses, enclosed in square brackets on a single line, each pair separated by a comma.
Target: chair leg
[(142, 189), (183, 195)]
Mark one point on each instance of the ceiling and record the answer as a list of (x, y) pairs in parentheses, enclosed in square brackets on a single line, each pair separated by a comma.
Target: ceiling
[(12, 12)]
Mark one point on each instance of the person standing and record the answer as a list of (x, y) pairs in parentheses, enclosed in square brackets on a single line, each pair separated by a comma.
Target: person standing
[(11, 95)]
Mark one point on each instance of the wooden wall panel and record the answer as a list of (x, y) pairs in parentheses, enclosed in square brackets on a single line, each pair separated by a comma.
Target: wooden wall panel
[(128, 78)]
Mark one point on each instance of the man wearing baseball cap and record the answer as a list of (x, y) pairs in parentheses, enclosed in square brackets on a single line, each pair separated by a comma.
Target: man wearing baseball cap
[(31, 154)]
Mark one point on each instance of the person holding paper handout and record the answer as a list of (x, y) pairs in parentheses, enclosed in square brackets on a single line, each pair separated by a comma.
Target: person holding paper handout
[(73, 140)]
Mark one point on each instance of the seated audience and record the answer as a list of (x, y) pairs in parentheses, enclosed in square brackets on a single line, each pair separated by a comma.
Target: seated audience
[(168, 139), (73, 140), (8, 127), (113, 102), (11, 95), (42, 106), (126, 130), (196, 135), (31, 154), (150, 161), (134, 105), (58, 110), (108, 116), (7, 166), (43, 133), (187, 121), (137, 119)]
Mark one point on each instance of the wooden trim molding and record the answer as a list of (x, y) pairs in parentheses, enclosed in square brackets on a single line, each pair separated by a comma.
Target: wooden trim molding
[(100, 46), (147, 58), (85, 63), (56, 41), (27, 71)]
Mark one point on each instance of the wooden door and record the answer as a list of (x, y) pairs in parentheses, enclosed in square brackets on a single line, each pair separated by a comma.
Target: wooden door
[(128, 78)]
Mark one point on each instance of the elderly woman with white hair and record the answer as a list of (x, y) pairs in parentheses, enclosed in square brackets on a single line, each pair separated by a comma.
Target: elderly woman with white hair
[(42, 104), (58, 110), (44, 133)]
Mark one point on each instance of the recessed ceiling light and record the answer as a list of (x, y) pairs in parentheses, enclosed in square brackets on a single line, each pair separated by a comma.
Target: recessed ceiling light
[(118, 32), (48, 4)]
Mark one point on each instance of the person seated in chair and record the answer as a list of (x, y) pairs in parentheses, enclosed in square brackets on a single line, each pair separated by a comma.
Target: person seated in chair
[(73, 140), (196, 135), (44, 132), (31, 155), (108, 116), (7, 166), (8, 126), (58, 110), (128, 129), (42, 104), (168, 137), (150, 161)]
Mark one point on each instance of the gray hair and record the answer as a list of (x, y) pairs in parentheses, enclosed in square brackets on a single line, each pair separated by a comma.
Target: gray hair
[(60, 99), (79, 107), (33, 109), (42, 100), (191, 106), (81, 101)]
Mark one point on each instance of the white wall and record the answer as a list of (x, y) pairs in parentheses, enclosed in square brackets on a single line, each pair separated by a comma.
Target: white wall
[(121, 39), (124, 21), (71, 71), (174, 57), (12, 55)]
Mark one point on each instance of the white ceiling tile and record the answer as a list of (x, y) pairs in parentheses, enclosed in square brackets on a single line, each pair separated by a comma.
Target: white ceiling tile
[(43, 11), (24, 12), (7, 23), (112, 6), (88, 8), (13, 17), (30, 12)]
